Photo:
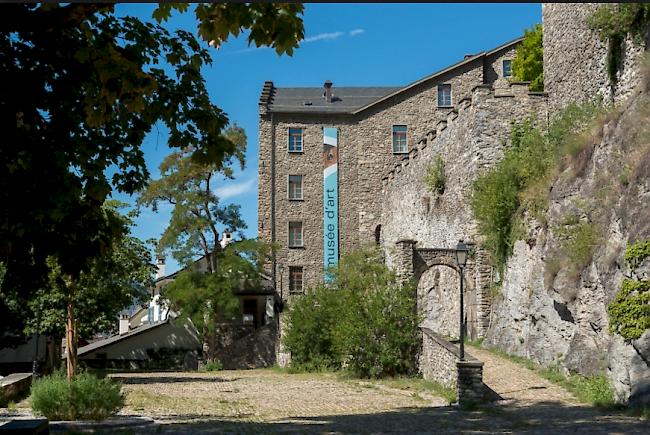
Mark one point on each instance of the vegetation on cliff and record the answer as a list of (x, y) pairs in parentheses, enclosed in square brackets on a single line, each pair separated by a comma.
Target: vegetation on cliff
[(629, 312)]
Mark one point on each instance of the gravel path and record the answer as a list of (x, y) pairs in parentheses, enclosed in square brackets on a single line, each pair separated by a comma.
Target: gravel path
[(267, 402)]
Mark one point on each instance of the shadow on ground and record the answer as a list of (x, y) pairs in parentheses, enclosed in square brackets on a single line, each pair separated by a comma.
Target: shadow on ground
[(137, 380), (541, 418)]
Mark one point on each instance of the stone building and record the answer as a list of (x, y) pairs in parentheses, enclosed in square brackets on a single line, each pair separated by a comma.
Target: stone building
[(365, 131)]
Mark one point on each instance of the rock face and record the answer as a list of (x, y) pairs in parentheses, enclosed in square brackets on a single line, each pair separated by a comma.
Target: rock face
[(557, 313)]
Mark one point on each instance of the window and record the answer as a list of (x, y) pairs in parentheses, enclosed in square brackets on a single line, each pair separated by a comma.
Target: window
[(444, 95), (295, 140), (399, 139), (295, 234), (507, 68), (295, 279), (295, 187)]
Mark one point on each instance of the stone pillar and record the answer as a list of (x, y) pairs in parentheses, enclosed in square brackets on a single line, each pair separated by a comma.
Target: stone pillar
[(469, 386), (404, 259)]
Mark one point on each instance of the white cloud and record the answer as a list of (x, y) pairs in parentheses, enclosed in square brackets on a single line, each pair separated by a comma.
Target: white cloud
[(235, 188), (356, 32), (323, 37)]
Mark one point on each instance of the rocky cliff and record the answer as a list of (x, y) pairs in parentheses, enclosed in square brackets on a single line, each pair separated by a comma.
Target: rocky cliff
[(553, 310)]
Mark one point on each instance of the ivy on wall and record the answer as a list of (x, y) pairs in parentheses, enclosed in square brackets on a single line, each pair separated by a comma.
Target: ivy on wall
[(613, 23), (629, 312)]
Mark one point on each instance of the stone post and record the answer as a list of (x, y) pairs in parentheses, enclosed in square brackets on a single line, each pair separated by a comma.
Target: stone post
[(469, 386), (404, 259)]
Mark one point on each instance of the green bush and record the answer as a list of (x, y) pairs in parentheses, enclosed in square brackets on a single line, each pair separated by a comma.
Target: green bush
[(436, 178), (86, 397), (528, 64), (363, 320), (629, 312), (213, 366)]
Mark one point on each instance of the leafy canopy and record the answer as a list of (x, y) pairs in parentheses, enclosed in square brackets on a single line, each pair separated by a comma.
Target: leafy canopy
[(528, 64), (85, 88)]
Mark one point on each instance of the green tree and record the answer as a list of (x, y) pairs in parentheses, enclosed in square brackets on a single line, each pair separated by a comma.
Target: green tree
[(208, 299), (528, 64), (89, 302), (82, 88)]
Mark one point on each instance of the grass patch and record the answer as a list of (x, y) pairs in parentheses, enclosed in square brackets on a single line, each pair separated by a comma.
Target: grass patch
[(419, 385), (213, 366)]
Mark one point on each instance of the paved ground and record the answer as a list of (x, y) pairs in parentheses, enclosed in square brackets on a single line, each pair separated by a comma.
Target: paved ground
[(265, 401)]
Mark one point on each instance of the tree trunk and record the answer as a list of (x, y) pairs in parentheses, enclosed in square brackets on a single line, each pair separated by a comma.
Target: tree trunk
[(71, 342)]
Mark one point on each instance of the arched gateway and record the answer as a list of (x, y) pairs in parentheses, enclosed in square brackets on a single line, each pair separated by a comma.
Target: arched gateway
[(436, 273)]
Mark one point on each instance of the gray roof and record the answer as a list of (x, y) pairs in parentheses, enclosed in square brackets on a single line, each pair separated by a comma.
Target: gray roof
[(350, 100), (344, 99), (116, 338)]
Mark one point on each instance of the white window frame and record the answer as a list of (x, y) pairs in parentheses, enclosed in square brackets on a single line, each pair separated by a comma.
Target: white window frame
[(302, 141), (451, 95), (302, 280), (302, 235), (406, 139), (503, 67), (302, 190)]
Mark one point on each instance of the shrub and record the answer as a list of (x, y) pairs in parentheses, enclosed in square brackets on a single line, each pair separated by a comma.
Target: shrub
[(213, 366), (86, 397), (629, 312), (436, 178), (364, 320), (528, 64)]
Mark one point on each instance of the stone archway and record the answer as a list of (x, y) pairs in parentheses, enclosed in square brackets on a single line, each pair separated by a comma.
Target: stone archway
[(422, 264)]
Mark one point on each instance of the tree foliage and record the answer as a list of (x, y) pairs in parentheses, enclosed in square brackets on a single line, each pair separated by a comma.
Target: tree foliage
[(364, 319), (82, 89), (188, 186), (528, 64)]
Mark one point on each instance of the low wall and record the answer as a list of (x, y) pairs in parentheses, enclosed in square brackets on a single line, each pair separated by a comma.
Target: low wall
[(14, 386), (438, 359)]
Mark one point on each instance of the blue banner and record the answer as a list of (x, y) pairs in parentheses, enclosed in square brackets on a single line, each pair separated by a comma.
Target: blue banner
[(330, 199)]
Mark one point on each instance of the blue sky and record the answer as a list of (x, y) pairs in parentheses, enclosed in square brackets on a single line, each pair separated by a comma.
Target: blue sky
[(349, 44)]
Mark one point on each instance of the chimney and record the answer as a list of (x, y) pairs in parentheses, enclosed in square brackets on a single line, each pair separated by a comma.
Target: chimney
[(124, 324), (225, 239), (161, 267), (328, 91)]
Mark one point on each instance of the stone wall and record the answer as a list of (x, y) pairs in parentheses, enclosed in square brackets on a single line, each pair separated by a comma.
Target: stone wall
[(365, 156), (471, 139), (575, 58), (438, 359)]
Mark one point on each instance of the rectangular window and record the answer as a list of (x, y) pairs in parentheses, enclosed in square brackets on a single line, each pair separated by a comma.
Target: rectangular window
[(295, 187), (295, 279), (295, 234), (507, 68), (399, 139), (295, 140), (444, 95)]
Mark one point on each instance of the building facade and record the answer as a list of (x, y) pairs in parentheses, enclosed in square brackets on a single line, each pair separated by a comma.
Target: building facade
[(359, 134)]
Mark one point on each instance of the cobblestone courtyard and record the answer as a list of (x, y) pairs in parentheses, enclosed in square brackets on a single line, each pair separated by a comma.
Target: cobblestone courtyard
[(268, 401)]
